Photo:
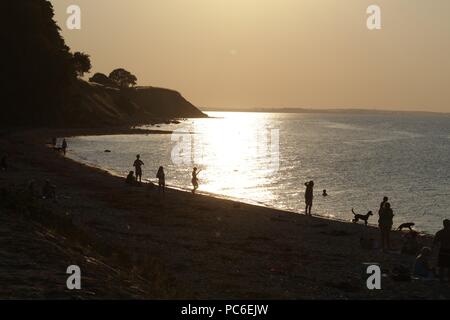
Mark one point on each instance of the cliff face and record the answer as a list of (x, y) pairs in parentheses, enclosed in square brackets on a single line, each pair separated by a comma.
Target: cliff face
[(96, 105)]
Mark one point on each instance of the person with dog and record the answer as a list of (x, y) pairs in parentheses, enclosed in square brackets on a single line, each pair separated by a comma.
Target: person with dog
[(309, 195), (385, 222), (442, 239)]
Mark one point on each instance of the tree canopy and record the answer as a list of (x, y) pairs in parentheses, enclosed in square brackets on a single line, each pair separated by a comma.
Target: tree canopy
[(82, 63), (123, 78)]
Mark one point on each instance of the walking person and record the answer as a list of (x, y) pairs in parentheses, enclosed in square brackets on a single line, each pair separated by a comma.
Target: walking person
[(309, 195), (138, 168), (161, 180), (385, 222), (195, 179)]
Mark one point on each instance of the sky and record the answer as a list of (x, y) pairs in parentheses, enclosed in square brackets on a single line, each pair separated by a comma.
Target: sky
[(274, 53)]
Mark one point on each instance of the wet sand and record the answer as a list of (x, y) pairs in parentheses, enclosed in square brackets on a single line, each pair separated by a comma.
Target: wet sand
[(204, 247)]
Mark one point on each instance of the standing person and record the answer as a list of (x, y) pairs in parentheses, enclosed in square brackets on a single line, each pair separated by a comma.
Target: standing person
[(195, 179), (385, 222), (385, 200), (138, 168), (161, 179), (309, 195), (64, 146), (442, 238)]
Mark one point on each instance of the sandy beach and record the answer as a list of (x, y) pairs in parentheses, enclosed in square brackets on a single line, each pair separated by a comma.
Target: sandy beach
[(179, 246)]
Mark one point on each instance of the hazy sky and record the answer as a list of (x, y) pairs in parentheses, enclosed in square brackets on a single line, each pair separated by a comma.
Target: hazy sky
[(274, 53)]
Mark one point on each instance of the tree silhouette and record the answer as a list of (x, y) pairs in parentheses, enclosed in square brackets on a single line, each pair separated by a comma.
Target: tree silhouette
[(39, 68), (81, 63), (123, 78)]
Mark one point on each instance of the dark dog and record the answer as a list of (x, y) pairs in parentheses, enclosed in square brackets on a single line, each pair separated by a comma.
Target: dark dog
[(408, 225), (362, 217)]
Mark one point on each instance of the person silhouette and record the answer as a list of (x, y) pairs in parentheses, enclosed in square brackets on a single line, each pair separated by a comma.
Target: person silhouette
[(138, 168), (324, 193), (385, 223), (385, 200), (161, 179), (195, 179), (130, 178), (309, 195), (64, 146), (442, 239)]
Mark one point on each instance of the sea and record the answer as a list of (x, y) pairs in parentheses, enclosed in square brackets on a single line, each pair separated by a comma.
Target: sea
[(266, 159)]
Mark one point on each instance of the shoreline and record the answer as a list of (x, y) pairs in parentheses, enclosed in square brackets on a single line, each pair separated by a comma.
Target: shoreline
[(206, 193), (210, 248)]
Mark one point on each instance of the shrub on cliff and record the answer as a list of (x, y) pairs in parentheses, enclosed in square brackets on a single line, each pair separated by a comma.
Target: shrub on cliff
[(102, 79)]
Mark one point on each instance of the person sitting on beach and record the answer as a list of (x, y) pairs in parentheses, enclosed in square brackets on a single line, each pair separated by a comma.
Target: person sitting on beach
[(385, 223), (195, 179), (442, 239), (324, 193), (3, 163), (138, 168), (422, 267), (130, 178), (48, 190), (161, 179), (309, 195), (64, 146)]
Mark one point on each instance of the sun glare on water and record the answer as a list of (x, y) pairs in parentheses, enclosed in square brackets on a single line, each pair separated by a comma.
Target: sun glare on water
[(233, 154)]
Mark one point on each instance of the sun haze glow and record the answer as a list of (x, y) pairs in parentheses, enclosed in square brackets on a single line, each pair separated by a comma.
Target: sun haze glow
[(274, 53)]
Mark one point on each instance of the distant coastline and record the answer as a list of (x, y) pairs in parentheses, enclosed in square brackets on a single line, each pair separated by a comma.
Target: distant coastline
[(330, 110)]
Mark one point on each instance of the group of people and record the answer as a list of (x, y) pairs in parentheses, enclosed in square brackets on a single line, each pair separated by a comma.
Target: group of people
[(422, 267), (135, 176)]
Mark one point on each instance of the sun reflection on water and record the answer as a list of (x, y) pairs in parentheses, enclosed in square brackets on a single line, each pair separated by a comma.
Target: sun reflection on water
[(233, 156)]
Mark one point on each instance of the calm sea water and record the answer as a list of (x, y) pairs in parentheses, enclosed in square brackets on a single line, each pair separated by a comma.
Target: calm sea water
[(266, 158)]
